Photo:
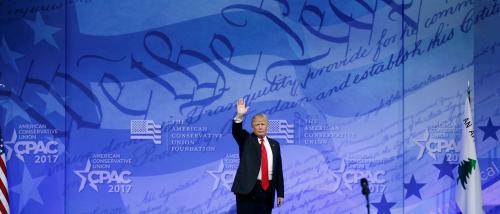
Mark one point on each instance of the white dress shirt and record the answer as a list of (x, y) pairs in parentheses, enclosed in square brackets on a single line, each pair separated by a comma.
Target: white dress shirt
[(269, 160)]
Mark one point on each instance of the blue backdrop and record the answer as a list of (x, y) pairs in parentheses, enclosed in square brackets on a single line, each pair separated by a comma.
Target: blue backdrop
[(125, 106)]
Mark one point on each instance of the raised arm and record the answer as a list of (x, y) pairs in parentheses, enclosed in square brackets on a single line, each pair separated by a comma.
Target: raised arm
[(241, 109), (239, 133)]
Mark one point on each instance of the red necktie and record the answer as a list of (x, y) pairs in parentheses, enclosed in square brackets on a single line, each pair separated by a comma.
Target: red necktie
[(265, 171)]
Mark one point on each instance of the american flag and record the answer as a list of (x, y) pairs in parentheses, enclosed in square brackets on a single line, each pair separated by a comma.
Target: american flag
[(4, 195), (280, 129), (145, 130)]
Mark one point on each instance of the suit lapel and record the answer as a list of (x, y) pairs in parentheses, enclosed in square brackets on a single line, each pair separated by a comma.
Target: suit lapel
[(256, 146), (274, 149)]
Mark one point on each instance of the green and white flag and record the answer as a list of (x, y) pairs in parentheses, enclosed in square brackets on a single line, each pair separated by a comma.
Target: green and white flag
[(468, 196)]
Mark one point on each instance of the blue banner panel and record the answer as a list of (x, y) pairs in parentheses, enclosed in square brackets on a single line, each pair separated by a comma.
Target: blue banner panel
[(126, 106)]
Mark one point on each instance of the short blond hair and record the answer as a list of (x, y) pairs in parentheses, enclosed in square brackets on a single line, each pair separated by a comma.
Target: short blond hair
[(260, 115)]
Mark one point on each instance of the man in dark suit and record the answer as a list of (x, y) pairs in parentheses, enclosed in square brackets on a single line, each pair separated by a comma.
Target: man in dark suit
[(260, 173)]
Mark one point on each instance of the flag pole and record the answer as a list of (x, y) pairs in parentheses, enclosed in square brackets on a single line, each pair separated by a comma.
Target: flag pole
[(468, 91)]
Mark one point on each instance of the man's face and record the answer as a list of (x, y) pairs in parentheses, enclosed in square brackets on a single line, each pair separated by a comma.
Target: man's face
[(259, 126)]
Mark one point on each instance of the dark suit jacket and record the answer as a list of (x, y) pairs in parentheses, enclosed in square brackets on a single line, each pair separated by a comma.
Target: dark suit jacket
[(250, 158)]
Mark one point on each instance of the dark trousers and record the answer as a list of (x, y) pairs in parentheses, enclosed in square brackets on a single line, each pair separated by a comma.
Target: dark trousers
[(256, 202)]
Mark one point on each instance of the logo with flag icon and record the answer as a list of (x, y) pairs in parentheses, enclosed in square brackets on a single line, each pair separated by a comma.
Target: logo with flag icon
[(145, 130), (281, 129)]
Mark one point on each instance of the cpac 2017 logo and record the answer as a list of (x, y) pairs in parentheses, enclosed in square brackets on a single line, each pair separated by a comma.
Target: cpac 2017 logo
[(44, 152), (431, 146), (116, 181), (349, 177)]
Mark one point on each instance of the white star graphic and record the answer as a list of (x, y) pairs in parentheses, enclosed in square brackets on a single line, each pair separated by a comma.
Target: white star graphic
[(12, 141), (424, 140), (83, 175), (42, 31), (220, 177), (28, 189), (338, 178)]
